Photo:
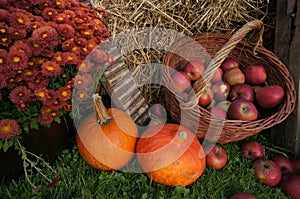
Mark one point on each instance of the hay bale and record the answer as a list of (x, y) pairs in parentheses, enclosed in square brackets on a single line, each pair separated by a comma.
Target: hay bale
[(188, 17)]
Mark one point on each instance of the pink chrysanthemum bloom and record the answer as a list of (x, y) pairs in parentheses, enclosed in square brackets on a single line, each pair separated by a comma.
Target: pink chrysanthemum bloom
[(85, 66), (81, 95), (8, 129), (81, 81), (20, 20), (20, 94), (61, 18), (81, 42), (29, 74), (51, 69), (48, 13), (70, 58), (61, 4), (64, 94), (17, 60), (46, 36), (41, 94), (58, 58), (68, 45), (66, 30)]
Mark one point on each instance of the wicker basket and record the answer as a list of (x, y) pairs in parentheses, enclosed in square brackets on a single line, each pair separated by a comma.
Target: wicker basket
[(213, 49)]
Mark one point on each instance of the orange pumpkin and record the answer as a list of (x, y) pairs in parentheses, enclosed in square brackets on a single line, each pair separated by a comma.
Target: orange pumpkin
[(170, 154), (106, 140)]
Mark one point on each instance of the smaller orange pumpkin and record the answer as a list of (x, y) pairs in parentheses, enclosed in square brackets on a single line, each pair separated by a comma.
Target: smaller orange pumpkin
[(106, 140), (170, 154)]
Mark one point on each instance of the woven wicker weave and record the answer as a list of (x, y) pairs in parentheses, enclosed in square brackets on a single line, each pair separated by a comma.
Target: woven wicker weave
[(218, 48)]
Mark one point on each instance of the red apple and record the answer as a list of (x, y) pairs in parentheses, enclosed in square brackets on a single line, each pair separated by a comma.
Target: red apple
[(194, 69), (224, 105), (267, 172), (216, 156), (290, 185), (217, 76), (242, 195), (241, 109), (296, 163), (206, 97), (269, 96), (255, 75), (217, 112), (230, 63), (221, 90), (241, 91), (234, 76), (284, 163), (252, 150), (181, 81)]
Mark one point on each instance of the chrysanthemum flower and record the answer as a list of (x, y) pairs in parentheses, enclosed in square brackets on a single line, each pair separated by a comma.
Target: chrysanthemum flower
[(68, 44), (4, 15), (68, 106), (70, 14), (38, 82), (53, 101), (11, 79), (64, 94), (21, 47), (70, 58), (2, 81), (18, 34), (20, 20), (81, 95), (82, 81), (66, 30), (17, 60), (58, 58), (51, 69), (46, 36), (61, 4), (5, 4), (45, 118), (85, 66), (36, 22), (41, 94), (61, 18), (20, 94), (48, 13), (29, 74), (3, 60), (8, 128), (81, 42)]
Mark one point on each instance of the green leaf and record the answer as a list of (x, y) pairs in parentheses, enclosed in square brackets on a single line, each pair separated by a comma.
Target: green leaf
[(34, 125), (5, 146), (57, 119), (1, 144)]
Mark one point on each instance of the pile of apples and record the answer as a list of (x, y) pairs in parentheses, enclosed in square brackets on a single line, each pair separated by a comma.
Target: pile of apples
[(278, 171), (231, 93)]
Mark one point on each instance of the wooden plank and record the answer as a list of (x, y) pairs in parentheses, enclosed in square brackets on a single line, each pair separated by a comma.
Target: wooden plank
[(292, 128)]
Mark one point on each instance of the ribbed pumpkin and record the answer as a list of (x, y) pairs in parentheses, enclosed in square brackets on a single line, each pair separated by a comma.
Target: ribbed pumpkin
[(106, 140), (170, 154)]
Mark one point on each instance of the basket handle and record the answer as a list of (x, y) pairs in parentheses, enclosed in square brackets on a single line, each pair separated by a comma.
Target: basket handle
[(223, 53)]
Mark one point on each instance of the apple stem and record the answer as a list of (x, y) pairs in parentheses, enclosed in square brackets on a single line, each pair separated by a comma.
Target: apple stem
[(266, 83)]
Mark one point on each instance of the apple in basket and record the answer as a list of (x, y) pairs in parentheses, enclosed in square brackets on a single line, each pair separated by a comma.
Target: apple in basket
[(230, 63), (224, 105), (217, 76), (206, 97), (255, 75), (269, 96), (216, 156), (241, 91), (218, 112), (221, 90), (181, 81), (252, 150), (242, 109), (194, 69), (234, 76)]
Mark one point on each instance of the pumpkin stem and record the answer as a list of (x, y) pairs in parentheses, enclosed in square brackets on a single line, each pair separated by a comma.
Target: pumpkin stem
[(101, 113), (182, 135)]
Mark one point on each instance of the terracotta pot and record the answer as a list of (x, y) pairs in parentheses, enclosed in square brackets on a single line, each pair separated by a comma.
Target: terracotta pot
[(48, 142)]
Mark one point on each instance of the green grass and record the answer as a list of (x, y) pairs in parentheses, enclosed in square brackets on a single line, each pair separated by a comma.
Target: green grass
[(79, 180)]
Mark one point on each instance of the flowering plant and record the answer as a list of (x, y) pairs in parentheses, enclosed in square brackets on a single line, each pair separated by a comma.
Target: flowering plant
[(42, 47)]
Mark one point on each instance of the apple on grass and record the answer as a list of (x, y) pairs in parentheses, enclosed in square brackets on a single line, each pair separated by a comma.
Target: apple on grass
[(181, 81), (194, 69), (252, 150), (242, 195), (296, 163), (285, 164), (230, 63), (242, 109), (216, 156), (269, 96), (255, 75), (242, 91), (266, 172), (290, 185), (234, 76), (221, 90)]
